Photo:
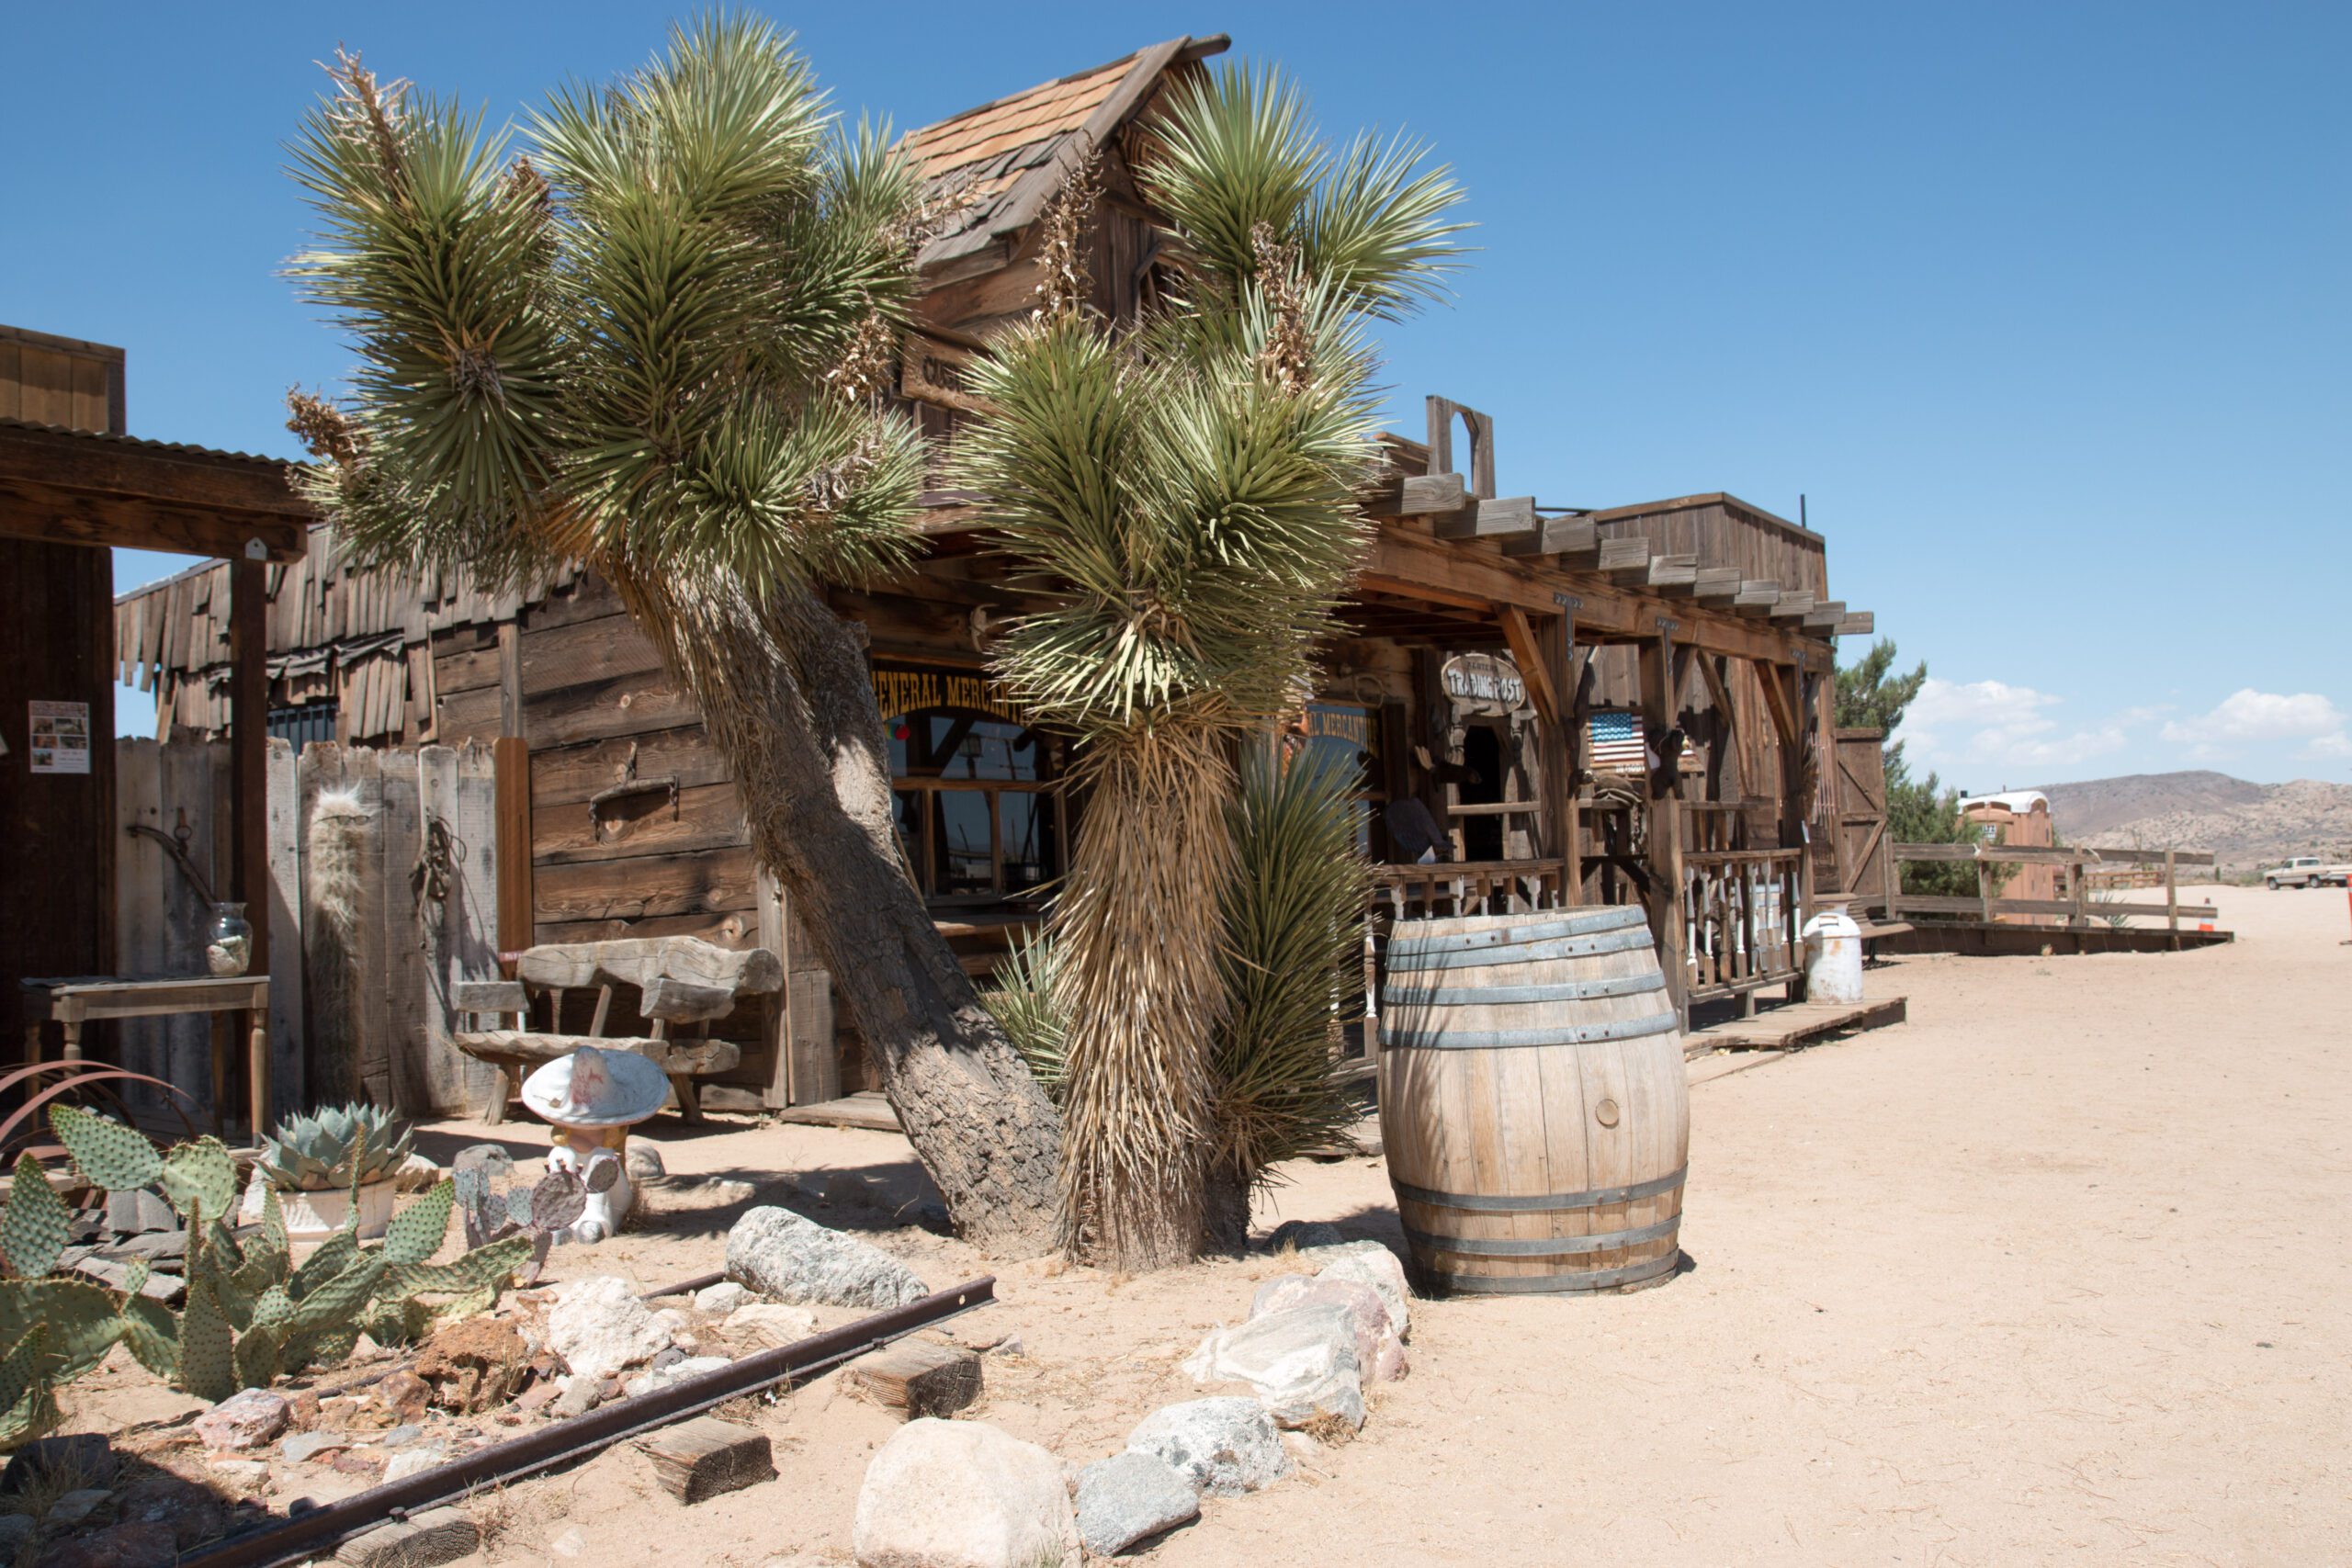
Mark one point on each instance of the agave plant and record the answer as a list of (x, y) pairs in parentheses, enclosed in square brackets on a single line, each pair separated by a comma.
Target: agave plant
[(340, 1147)]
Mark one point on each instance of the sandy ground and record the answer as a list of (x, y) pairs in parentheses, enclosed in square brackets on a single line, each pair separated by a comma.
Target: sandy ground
[(2054, 1272)]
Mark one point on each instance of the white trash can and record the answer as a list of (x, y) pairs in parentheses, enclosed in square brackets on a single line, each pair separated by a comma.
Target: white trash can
[(1833, 957)]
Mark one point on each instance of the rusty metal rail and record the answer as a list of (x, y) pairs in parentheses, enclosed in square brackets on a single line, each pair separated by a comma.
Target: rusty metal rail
[(310, 1534)]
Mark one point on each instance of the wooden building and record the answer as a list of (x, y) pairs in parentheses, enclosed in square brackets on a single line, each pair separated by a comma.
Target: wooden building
[(74, 485), (1490, 642)]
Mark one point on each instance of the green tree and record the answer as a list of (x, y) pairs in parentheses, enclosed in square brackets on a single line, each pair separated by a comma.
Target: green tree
[(1871, 694), (655, 346), (1192, 484)]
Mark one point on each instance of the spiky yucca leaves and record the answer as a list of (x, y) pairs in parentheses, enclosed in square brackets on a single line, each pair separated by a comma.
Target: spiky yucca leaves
[(1189, 490), (1022, 998), (620, 349), (1292, 919)]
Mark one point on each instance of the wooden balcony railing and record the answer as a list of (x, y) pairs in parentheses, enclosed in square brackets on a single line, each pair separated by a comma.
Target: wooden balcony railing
[(1470, 887), (1741, 910)]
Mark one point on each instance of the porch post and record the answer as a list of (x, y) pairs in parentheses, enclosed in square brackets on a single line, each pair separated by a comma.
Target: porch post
[(1664, 849)]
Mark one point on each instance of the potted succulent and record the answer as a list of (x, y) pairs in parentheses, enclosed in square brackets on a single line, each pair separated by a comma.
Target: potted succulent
[(314, 1161)]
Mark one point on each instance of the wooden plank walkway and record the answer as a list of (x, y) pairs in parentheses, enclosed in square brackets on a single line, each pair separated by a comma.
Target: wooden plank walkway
[(865, 1108), (1782, 1028)]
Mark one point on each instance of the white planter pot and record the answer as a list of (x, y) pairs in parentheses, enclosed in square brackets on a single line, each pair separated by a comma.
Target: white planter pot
[(314, 1216)]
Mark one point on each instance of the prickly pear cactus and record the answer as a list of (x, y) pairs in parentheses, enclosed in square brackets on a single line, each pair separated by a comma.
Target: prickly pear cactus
[(199, 1179), (112, 1156), (34, 1225)]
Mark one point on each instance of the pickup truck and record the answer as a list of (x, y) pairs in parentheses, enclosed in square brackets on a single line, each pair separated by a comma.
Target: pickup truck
[(2306, 870)]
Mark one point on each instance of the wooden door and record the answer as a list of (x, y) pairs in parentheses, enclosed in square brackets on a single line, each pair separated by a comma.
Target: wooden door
[(1861, 819)]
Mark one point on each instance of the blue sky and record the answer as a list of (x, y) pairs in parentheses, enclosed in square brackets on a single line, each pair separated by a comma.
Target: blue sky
[(2043, 307)]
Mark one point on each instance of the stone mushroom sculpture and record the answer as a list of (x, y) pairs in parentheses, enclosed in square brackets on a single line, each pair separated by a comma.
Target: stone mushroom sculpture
[(591, 1099)]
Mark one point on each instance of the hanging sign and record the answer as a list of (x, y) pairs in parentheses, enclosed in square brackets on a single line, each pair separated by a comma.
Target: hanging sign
[(60, 737), (1484, 683), (904, 689)]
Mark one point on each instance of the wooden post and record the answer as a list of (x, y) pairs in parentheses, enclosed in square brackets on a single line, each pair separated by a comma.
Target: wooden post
[(2172, 895), (249, 775), (1563, 757), (2081, 868), (1665, 845), (1983, 889), (511, 754)]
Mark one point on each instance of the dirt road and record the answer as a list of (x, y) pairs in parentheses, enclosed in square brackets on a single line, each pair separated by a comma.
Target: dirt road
[(2055, 1273)]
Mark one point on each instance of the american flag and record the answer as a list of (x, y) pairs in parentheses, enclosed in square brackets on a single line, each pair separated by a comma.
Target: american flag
[(1613, 743)]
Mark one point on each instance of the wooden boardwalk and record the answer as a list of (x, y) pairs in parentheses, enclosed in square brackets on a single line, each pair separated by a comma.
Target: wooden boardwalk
[(1786, 1027)]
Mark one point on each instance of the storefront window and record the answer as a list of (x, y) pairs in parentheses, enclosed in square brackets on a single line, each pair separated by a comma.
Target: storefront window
[(972, 807)]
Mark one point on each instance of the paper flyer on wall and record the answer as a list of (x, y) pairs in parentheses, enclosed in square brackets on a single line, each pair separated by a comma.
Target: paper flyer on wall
[(60, 737)]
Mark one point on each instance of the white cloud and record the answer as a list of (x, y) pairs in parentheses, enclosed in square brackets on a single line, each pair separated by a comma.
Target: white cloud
[(1993, 724), (2247, 717)]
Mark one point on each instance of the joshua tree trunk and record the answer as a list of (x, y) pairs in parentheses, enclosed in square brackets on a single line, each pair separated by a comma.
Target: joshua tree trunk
[(785, 692), (1137, 929)]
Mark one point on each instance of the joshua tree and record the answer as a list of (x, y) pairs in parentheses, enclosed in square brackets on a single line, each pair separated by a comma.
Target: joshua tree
[(652, 346), (1191, 488)]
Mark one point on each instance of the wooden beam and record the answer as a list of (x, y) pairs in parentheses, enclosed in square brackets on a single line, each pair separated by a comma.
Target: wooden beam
[(1673, 574), (1529, 655), (1825, 618), (249, 794), (1776, 703), (1757, 596), (1717, 585), (32, 510), (1557, 536), (1512, 517), (1857, 623), (1663, 847), (1628, 558), (1416, 495), (1793, 604)]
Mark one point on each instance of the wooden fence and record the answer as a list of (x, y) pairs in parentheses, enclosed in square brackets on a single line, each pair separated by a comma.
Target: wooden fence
[(359, 1007), (2084, 904)]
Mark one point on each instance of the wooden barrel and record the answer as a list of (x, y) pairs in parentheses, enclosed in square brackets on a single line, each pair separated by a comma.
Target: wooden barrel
[(1532, 1102)]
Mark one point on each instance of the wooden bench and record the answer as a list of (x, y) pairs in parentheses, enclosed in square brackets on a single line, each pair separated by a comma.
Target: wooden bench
[(681, 980)]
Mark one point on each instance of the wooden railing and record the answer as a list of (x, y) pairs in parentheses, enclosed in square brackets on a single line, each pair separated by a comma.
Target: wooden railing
[(1470, 887), (2084, 905), (1741, 909)]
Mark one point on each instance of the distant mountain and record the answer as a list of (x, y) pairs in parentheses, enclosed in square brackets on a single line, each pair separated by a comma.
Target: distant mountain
[(2248, 826), (2095, 805)]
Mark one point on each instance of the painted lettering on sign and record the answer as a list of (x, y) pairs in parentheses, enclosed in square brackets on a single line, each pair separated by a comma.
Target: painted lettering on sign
[(900, 689), (1484, 682)]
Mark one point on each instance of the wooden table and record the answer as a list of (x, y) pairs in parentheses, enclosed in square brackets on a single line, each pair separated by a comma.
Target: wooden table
[(74, 1001)]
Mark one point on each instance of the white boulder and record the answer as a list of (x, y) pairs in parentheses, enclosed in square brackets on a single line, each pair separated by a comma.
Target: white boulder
[(599, 1327), (1129, 1497), (1224, 1446), (782, 1255), (1301, 1362), (963, 1495), (1372, 1264), (1380, 1351)]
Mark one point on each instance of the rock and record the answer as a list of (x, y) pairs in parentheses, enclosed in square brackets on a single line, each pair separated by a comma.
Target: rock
[(249, 1472), (539, 1396), (409, 1461), (15, 1530), (771, 1323), (578, 1397), (963, 1495), (1380, 1353), (244, 1420), (1224, 1446), (492, 1157), (599, 1327), (306, 1410), (310, 1445), (722, 1298), (643, 1163), (570, 1543), (1301, 1362), (676, 1372), (1122, 1499), (404, 1395), (139, 1544), (665, 1361), (472, 1365), (1300, 1236), (779, 1254), (366, 1463), (86, 1457), (73, 1507), (416, 1174), (401, 1437), (1372, 1264)]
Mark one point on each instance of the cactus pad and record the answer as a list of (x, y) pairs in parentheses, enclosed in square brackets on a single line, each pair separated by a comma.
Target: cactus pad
[(33, 1226), (200, 1178), (152, 1333), (557, 1200), (416, 1231), (111, 1155), (207, 1359)]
